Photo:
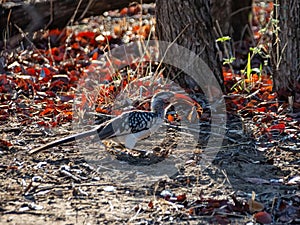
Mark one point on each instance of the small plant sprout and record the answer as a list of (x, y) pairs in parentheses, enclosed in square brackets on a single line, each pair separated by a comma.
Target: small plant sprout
[(223, 39)]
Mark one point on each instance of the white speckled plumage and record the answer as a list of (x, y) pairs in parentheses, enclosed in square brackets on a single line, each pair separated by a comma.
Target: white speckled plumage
[(129, 127)]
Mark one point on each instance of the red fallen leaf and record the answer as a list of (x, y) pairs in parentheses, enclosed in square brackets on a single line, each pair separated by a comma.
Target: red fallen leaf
[(95, 56), (12, 168), (280, 127), (112, 88), (68, 115), (181, 198), (75, 45), (4, 143), (53, 124), (136, 28), (56, 53), (56, 35), (22, 84), (3, 79), (31, 71), (100, 110), (74, 76), (124, 11), (263, 217), (41, 123), (47, 72), (251, 104), (133, 10), (227, 76), (54, 32), (261, 109), (50, 94), (150, 205), (191, 211), (85, 34), (17, 69), (57, 84), (86, 37)]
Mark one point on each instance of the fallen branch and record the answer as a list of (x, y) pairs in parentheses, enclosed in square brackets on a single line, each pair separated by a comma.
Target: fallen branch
[(31, 16)]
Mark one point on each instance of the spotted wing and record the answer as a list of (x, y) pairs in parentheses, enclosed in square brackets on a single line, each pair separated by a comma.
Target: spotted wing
[(128, 123)]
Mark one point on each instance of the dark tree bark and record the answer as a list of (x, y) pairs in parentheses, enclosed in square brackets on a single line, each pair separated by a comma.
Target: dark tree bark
[(232, 17), (189, 23), (220, 12), (286, 51), (240, 10)]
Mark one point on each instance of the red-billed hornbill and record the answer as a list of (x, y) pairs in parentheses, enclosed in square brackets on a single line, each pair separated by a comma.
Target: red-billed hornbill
[(129, 127)]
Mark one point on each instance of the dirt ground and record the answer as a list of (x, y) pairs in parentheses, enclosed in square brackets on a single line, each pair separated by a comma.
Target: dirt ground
[(61, 186), (170, 180)]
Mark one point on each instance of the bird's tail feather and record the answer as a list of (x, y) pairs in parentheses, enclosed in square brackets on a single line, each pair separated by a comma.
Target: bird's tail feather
[(64, 140)]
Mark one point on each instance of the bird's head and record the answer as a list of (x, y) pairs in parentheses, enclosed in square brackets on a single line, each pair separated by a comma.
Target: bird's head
[(162, 99)]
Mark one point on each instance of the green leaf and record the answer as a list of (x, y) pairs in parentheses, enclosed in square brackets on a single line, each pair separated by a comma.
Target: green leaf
[(223, 39), (249, 67), (261, 68), (275, 21), (228, 61), (256, 50)]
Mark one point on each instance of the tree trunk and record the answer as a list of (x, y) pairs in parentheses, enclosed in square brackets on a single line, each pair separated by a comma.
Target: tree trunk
[(220, 12), (189, 24), (286, 51), (232, 17), (240, 10)]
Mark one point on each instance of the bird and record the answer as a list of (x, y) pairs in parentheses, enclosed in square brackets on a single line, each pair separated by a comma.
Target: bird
[(129, 127)]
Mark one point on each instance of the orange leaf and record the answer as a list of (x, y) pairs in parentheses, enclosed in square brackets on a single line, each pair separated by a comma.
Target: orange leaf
[(124, 11), (46, 111), (95, 56), (255, 78)]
